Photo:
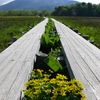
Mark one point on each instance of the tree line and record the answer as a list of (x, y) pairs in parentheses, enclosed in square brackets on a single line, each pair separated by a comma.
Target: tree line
[(78, 9), (25, 13)]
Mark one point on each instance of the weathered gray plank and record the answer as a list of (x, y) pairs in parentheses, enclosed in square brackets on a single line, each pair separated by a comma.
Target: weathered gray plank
[(16, 62), (76, 70), (83, 58)]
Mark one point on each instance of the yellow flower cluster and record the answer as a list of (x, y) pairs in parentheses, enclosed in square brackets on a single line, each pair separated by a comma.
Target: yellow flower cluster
[(54, 88)]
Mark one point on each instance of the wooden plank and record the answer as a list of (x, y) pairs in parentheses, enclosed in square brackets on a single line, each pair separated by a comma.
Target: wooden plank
[(81, 40), (91, 57), (19, 43), (83, 60), (16, 62), (76, 70), (19, 52)]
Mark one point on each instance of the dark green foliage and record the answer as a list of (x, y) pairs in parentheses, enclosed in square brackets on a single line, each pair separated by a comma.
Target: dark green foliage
[(49, 40), (26, 98), (72, 98), (25, 13), (78, 9)]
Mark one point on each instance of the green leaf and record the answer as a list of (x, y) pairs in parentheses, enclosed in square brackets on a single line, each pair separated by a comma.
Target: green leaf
[(53, 63), (45, 39), (26, 98), (27, 93), (72, 98), (57, 38)]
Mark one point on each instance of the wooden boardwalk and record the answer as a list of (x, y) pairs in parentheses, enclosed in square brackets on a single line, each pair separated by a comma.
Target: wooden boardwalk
[(17, 61), (82, 59)]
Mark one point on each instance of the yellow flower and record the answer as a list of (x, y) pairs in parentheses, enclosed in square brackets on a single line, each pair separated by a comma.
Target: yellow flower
[(42, 83), (83, 99), (53, 97), (46, 86), (56, 89), (84, 96), (61, 83), (45, 79), (33, 72), (62, 92), (25, 90), (31, 95), (55, 94), (48, 90), (45, 75), (26, 84), (59, 86), (36, 87), (51, 71), (53, 81), (37, 92), (38, 70), (59, 76)]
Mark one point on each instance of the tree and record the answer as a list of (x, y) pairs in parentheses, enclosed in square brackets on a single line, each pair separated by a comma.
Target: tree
[(26, 13), (90, 11), (3, 13), (98, 11), (79, 9), (57, 10), (63, 12), (45, 13), (11, 13), (35, 13)]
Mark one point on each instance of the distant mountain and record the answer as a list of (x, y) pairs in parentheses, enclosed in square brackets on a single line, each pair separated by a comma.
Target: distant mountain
[(35, 4)]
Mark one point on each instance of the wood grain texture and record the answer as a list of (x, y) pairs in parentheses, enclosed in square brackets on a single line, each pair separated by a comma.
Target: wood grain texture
[(82, 59), (17, 61)]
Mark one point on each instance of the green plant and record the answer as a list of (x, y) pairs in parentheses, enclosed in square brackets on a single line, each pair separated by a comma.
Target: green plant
[(42, 87), (52, 62), (50, 40), (56, 52)]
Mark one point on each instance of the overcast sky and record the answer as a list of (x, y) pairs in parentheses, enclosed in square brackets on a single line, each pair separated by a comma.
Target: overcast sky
[(92, 1)]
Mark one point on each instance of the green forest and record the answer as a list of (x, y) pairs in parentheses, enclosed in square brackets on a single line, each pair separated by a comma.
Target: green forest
[(78, 9)]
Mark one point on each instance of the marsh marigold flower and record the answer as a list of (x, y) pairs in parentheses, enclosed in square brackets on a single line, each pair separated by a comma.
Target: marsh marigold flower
[(52, 88)]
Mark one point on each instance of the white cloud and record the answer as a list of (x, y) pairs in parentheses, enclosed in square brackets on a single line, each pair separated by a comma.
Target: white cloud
[(91, 1), (2, 2)]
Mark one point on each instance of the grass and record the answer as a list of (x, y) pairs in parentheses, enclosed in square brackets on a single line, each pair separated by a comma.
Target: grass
[(86, 25), (15, 26)]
